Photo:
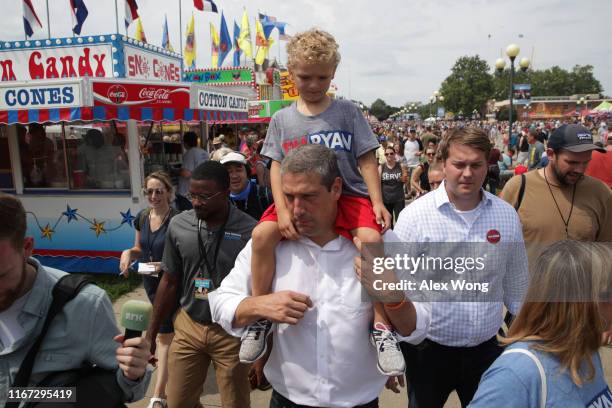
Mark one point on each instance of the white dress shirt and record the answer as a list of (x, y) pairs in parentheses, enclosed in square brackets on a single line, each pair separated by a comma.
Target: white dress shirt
[(326, 359), (434, 219)]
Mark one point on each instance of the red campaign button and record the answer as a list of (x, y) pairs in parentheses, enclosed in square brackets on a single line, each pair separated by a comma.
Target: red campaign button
[(493, 236)]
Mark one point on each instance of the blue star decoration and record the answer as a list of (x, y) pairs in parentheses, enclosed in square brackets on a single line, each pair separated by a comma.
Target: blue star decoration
[(70, 213), (128, 218)]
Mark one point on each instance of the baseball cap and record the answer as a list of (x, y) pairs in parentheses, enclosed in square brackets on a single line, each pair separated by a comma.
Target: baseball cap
[(574, 138), (233, 157)]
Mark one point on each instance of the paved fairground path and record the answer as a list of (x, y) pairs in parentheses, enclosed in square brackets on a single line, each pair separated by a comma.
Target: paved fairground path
[(261, 399)]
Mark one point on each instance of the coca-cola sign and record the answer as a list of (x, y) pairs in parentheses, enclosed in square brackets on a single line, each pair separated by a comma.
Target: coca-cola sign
[(158, 94), (117, 94), (147, 94)]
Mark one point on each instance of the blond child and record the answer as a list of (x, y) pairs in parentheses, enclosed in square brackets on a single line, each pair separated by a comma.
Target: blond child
[(338, 124)]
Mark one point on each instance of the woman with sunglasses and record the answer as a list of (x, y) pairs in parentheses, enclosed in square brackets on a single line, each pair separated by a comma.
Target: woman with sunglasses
[(420, 178), (151, 225), (552, 355), (392, 178)]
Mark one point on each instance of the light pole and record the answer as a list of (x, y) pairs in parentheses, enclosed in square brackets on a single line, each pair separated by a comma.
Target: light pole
[(511, 51), (583, 101)]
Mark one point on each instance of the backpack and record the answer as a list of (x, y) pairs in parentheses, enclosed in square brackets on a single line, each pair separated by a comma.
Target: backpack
[(96, 387)]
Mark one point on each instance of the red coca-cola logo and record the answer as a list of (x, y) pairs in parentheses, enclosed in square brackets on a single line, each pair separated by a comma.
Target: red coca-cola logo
[(158, 94), (117, 94)]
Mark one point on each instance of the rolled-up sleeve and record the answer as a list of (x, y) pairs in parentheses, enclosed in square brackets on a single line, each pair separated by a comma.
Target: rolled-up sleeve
[(233, 290), (423, 321)]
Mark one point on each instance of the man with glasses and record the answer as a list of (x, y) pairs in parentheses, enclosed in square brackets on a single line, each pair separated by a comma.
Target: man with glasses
[(201, 247)]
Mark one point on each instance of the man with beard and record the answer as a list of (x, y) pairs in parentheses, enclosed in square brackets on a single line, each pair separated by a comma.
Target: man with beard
[(560, 201), (200, 250), (83, 332)]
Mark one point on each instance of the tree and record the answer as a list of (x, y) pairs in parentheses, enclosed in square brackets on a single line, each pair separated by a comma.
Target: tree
[(381, 110), (469, 85), (554, 81)]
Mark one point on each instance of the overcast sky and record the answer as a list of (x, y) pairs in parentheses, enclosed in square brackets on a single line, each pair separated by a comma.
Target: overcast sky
[(397, 50)]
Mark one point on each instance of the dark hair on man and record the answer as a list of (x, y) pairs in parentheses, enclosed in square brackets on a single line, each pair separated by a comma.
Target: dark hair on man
[(12, 220), (313, 158), (212, 170), (190, 139), (468, 136)]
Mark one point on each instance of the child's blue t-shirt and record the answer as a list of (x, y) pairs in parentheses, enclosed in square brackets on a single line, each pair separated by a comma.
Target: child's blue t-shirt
[(341, 127), (514, 381)]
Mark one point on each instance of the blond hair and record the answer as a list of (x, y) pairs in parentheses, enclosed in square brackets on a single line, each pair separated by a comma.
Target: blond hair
[(561, 314), (163, 178), (312, 47)]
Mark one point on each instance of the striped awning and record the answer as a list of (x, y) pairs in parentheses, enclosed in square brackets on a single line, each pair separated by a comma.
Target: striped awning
[(25, 116)]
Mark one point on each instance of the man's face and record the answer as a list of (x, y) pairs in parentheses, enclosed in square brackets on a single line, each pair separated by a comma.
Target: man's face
[(313, 208), (210, 198), (465, 170), (569, 167), (12, 271), (435, 178), (238, 177), (312, 80)]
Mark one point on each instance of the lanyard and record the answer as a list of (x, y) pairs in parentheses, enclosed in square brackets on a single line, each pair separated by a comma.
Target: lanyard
[(204, 256)]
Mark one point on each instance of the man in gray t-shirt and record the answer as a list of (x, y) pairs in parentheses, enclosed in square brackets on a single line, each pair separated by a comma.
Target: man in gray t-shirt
[(341, 127), (200, 249)]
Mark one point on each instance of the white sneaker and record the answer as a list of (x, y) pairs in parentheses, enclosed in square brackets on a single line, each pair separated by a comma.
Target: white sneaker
[(390, 357), (253, 343)]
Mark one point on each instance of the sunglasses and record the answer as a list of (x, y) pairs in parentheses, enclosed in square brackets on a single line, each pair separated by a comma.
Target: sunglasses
[(430, 154), (389, 154), (151, 191), (201, 198)]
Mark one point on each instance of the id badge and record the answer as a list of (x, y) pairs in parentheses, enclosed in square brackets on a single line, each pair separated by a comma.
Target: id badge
[(202, 287)]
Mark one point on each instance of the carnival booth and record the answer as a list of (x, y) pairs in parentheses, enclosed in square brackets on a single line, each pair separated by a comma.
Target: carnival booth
[(258, 87), (82, 189)]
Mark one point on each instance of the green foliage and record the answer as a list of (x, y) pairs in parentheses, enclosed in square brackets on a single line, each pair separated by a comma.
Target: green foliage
[(554, 81), (469, 85), (116, 285), (381, 110)]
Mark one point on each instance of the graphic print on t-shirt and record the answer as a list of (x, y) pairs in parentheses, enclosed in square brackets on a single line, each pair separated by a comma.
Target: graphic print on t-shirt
[(333, 139), (601, 400)]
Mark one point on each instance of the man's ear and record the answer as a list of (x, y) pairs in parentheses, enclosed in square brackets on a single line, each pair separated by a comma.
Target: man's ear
[(28, 246), (336, 187)]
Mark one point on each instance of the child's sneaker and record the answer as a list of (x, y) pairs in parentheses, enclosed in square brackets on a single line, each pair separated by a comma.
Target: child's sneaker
[(390, 357), (253, 343)]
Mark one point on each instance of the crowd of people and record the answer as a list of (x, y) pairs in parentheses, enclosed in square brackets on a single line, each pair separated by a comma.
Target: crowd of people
[(269, 275)]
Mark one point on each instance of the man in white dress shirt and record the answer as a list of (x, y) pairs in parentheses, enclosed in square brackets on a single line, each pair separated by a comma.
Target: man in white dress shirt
[(321, 355), (461, 341)]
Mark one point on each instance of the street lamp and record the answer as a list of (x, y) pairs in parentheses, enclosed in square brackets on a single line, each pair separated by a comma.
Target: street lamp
[(583, 101), (512, 51), (434, 100)]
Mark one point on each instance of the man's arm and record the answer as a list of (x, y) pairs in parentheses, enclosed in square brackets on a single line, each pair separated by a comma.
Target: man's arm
[(233, 308), (165, 302), (129, 360)]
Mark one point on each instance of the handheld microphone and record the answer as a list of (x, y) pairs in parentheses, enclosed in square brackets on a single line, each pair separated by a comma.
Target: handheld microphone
[(135, 315)]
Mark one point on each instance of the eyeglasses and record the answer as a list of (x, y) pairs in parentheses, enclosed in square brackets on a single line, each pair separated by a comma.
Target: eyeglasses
[(151, 191), (201, 198)]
